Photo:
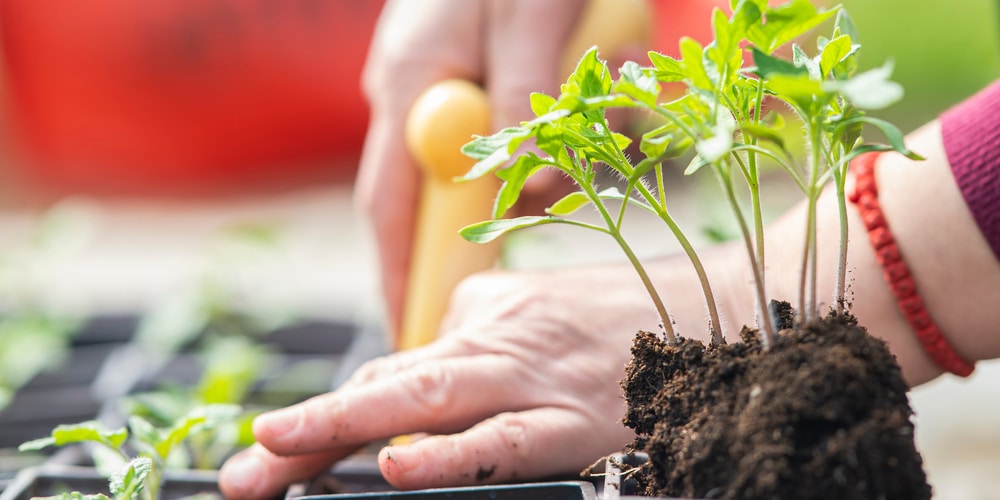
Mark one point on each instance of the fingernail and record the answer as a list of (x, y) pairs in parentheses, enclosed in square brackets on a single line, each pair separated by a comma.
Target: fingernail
[(242, 475), (404, 458), (278, 422)]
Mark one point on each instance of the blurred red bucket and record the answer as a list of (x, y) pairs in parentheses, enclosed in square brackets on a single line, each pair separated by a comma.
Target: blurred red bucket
[(163, 96)]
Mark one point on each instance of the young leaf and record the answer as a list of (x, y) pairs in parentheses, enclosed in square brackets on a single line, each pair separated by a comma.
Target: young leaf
[(91, 430), (638, 83), (844, 26), (714, 148), (786, 22), (541, 103), (74, 495), (763, 132), (572, 202), (693, 64), (494, 150), (145, 432), (591, 77), (661, 144), (695, 165), (667, 68), (835, 52), (892, 134), (568, 204), (801, 59), (869, 90), (725, 43), (747, 15), (487, 231), (514, 178), (804, 92), (200, 418), (768, 66), (129, 480)]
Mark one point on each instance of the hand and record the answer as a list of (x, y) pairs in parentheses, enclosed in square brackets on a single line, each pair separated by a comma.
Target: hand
[(511, 47), (524, 383)]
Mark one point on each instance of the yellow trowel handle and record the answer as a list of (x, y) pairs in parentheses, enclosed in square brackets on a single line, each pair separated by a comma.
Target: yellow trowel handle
[(442, 120)]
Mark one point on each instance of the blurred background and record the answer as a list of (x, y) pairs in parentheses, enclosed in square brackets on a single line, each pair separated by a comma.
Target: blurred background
[(137, 138)]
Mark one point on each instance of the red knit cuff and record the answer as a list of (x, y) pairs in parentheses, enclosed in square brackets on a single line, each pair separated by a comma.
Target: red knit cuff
[(896, 273)]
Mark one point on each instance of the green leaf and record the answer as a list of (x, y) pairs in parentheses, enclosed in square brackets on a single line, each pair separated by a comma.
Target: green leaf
[(74, 495), (654, 144), (801, 59), (726, 41), (844, 26), (572, 202), (892, 134), (638, 83), (568, 204), (807, 94), (786, 22), (692, 61), (835, 52), (92, 431), (591, 77), (129, 480), (764, 132), (720, 143), (768, 66), (869, 90), (714, 148), (747, 14), (541, 103), (695, 165), (145, 432), (514, 178), (198, 419), (494, 151), (667, 68), (487, 231)]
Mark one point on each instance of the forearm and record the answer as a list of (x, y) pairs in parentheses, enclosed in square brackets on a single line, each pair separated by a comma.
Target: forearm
[(954, 269)]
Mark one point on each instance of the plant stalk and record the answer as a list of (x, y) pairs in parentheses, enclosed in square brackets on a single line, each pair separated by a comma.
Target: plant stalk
[(839, 298), (668, 327), (807, 284), (766, 326), (713, 311)]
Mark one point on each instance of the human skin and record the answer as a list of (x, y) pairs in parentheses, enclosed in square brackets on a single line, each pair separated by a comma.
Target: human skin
[(524, 380)]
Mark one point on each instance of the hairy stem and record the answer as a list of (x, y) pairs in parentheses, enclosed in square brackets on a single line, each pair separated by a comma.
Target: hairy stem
[(839, 297), (715, 326), (807, 284), (754, 182), (613, 230), (766, 327), (660, 204)]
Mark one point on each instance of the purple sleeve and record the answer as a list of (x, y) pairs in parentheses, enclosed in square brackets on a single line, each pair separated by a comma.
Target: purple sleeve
[(971, 135)]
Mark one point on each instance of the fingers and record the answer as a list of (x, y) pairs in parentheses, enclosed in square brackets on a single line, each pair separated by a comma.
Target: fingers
[(524, 52), (256, 473), (510, 446), (387, 366), (446, 395), (386, 191)]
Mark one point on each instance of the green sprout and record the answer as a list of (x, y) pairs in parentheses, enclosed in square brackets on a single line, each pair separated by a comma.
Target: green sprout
[(720, 121), (138, 477)]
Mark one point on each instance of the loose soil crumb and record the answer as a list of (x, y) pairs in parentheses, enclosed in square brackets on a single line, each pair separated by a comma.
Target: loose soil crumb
[(822, 415)]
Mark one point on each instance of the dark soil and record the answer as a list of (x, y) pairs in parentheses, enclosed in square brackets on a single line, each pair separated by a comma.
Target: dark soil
[(822, 415)]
